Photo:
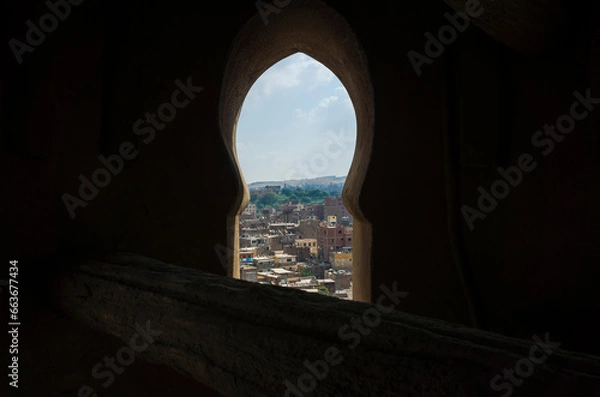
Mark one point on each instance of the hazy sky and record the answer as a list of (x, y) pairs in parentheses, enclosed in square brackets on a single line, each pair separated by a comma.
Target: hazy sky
[(296, 122)]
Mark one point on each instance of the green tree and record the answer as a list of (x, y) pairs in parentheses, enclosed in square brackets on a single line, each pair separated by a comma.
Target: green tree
[(323, 290), (281, 200), (306, 272), (267, 199)]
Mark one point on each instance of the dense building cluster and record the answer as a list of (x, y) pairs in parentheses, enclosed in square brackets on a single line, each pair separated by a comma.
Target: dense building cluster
[(304, 246)]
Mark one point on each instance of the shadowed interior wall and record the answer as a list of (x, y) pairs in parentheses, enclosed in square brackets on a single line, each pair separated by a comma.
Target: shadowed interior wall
[(531, 266)]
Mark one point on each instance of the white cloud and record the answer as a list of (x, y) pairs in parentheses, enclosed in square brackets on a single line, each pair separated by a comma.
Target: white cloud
[(308, 118), (295, 71), (325, 102), (311, 116)]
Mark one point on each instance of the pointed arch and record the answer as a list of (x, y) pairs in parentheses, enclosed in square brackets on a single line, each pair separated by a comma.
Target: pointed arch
[(311, 27)]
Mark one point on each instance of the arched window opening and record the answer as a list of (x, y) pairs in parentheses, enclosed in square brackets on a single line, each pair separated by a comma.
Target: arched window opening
[(295, 142), (312, 28)]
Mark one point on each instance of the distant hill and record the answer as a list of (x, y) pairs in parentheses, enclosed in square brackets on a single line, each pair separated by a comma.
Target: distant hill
[(323, 180)]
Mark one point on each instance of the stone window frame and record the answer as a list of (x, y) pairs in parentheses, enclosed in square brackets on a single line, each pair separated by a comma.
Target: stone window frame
[(317, 30)]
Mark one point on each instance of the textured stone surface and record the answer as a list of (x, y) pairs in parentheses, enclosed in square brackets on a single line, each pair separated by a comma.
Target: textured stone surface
[(529, 27), (58, 354), (245, 339)]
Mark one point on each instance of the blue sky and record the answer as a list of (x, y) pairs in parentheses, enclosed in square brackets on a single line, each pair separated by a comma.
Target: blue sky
[(292, 122)]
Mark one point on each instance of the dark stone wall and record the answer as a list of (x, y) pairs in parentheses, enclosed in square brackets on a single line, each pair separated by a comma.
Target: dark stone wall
[(531, 265)]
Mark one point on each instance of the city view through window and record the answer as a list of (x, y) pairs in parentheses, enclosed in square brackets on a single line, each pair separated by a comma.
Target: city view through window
[(295, 141)]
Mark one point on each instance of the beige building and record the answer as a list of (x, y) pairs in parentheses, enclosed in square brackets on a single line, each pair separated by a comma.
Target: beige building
[(340, 260), (285, 259), (311, 243), (250, 210), (263, 262), (248, 273)]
